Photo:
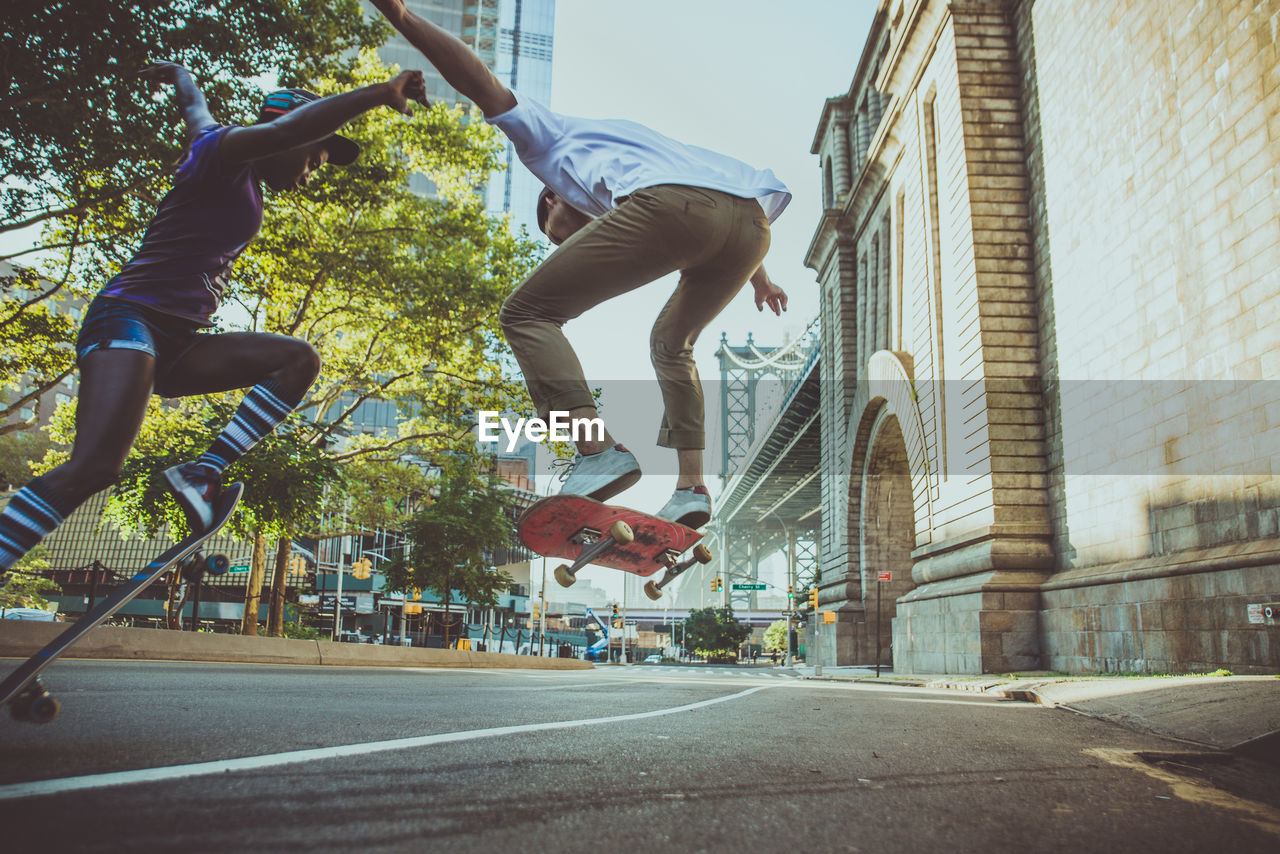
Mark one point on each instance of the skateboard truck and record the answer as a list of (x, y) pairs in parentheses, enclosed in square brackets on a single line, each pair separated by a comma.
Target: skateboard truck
[(35, 704), (701, 554), (593, 545)]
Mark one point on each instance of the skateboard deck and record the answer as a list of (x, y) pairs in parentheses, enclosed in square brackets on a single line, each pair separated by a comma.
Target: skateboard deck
[(552, 527), (39, 705)]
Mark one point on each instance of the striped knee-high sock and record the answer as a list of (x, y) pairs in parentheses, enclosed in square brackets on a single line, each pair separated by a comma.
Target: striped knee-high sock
[(261, 410), (28, 519)]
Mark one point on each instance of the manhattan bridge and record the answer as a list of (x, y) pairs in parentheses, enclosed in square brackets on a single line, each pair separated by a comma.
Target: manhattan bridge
[(769, 465)]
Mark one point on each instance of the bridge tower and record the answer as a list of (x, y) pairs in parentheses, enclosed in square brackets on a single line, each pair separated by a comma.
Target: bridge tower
[(755, 383)]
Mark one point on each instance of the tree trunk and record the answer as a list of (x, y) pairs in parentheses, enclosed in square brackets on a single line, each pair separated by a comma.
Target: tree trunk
[(447, 578), (275, 614), (253, 588)]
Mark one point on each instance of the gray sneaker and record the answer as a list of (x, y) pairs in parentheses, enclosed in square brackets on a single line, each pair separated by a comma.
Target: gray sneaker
[(689, 507), (601, 476)]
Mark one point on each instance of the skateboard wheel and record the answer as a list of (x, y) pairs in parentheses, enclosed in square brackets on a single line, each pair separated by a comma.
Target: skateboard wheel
[(701, 553), (217, 564), (621, 532), (652, 590), (564, 576), (43, 709)]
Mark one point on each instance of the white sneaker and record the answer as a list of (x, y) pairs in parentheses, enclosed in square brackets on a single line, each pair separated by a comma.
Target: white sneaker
[(196, 488), (690, 507), (601, 476)]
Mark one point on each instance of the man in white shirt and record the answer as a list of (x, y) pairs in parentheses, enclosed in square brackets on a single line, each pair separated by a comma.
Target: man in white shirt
[(625, 205)]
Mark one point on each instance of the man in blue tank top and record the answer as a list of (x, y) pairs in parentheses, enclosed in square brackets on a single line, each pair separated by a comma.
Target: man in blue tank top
[(143, 332)]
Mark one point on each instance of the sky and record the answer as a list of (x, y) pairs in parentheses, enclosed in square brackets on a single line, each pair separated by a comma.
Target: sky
[(747, 78)]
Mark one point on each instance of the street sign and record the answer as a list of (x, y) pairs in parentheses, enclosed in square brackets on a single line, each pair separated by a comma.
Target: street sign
[(828, 616), (884, 576), (348, 603), (752, 586), (238, 567)]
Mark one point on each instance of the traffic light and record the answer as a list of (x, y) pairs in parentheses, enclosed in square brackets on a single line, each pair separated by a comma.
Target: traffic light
[(297, 565), (362, 568), (791, 591), (813, 598), (535, 610), (615, 611)]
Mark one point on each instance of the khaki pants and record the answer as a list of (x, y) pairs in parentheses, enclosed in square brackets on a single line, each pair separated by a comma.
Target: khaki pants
[(716, 240)]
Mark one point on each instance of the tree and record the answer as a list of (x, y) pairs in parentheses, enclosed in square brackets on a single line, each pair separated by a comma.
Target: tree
[(87, 149), (715, 633), (25, 586), (76, 129), (400, 295), (450, 540), (775, 637), (18, 451)]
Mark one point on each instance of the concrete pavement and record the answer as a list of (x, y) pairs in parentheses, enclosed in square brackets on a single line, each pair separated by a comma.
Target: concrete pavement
[(1237, 713)]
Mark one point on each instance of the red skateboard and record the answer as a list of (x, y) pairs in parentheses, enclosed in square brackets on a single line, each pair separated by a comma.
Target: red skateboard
[(585, 531)]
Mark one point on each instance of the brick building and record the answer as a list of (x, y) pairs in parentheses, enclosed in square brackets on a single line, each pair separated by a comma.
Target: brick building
[(1050, 272)]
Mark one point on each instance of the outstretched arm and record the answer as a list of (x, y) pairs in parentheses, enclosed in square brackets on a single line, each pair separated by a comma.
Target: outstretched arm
[(195, 112), (767, 293), (456, 62), (319, 119)]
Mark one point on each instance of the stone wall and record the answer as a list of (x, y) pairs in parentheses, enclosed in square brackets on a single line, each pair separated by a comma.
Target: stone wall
[(1153, 143)]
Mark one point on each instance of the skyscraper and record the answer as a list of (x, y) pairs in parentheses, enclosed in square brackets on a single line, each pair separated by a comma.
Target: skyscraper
[(514, 38), (526, 31)]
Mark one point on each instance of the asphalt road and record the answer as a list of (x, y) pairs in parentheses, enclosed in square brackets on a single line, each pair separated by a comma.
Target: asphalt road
[(207, 757)]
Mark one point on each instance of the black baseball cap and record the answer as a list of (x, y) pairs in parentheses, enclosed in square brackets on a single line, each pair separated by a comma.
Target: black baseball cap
[(342, 151)]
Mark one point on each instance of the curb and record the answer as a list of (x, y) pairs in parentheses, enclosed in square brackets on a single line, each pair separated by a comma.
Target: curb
[(20, 639)]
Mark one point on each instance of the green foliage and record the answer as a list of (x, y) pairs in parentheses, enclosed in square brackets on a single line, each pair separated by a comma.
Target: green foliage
[(451, 536), (76, 125), (293, 627), (775, 637), (399, 294), (24, 587), (35, 344), (714, 632), (19, 450)]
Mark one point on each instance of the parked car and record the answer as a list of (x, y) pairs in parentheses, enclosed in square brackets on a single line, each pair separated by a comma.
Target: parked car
[(653, 659), (28, 614)]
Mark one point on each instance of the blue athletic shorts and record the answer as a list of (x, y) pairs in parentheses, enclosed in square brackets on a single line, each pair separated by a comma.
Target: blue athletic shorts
[(116, 324)]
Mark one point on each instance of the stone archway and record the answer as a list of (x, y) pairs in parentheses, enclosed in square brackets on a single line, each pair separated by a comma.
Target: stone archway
[(886, 533)]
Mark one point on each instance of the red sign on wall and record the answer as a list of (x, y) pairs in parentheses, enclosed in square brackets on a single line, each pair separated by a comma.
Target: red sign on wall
[(884, 576)]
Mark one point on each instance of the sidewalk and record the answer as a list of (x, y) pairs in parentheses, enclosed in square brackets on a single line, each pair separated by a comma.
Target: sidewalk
[(1239, 713)]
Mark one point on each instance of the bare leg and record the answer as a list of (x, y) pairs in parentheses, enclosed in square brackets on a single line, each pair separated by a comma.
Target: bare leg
[(242, 359), (690, 462), (115, 386)]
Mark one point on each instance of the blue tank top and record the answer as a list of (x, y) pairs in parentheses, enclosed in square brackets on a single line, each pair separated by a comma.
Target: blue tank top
[(201, 226)]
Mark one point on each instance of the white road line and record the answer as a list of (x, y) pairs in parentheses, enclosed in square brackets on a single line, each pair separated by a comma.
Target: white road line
[(253, 763)]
